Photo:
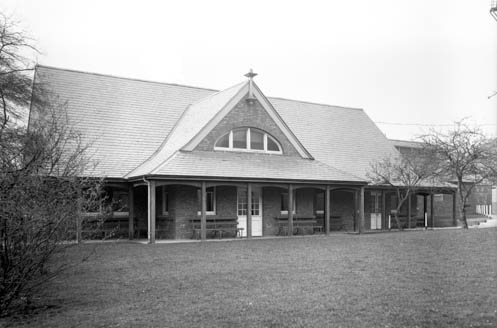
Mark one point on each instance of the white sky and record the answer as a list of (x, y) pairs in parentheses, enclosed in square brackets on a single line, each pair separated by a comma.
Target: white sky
[(409, 62)]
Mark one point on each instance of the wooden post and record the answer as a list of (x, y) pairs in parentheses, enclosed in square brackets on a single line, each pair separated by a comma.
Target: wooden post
[(327, 211), (362, 219), (432, 209), (290, 210), (409, 211), (249, 210), (383, 209), (356, 210), (425, 209), (454, 215), (131, 211), (79, 216), (151, 212), (203, 215)]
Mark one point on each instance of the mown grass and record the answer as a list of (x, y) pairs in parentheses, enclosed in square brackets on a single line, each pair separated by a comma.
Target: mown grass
[(411, 279)]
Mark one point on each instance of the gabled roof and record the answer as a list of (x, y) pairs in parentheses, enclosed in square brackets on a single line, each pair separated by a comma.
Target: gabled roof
[(193, 120), (125, 120), (345, 138), (128, 121), (268, 107)]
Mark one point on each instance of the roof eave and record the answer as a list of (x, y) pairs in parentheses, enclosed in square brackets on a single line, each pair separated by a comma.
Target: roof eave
[(242, 179)]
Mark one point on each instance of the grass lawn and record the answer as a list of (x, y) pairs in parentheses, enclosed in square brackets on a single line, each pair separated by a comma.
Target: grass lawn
[(444, 278)]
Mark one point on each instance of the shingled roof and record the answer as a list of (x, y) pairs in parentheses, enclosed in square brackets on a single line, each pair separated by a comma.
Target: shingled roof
[(129, 121), (252, 166)]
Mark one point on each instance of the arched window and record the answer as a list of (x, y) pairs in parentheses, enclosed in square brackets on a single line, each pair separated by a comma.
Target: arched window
[(248, 139)]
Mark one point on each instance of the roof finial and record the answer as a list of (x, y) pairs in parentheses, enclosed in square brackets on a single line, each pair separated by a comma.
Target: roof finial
[(251, 75)]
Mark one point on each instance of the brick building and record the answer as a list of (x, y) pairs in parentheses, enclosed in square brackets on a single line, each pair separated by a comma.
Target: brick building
[(181, 161)]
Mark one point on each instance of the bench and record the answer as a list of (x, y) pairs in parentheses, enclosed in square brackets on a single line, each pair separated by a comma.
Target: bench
[(415, 222), (336, 222), (98, 226), (219, 227), (300, 224)]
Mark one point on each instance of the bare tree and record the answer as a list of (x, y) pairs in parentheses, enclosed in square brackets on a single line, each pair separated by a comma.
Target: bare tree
[(404, 173), (42, 188), (465, 155)]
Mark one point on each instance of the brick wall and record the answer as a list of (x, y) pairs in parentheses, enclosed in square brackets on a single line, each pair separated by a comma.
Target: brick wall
[(184, 206), (342, 210), (271, 207), (244, 115)]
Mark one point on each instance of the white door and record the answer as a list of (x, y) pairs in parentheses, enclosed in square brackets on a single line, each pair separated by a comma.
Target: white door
[(375, 210), (256, 211)]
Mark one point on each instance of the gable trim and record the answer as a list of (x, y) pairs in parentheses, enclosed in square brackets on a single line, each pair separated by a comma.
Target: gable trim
[(281, 123), (267, 107), (214, 121)]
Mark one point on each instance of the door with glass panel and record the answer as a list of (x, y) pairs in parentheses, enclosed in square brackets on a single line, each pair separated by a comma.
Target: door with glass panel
[(376, 202), (256, 211)]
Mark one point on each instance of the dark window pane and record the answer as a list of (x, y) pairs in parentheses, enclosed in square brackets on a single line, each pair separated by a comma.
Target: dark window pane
[(256, 140), (320, 201), (224, 141), (165, 202), (210, 202), (271, 145), (210, 198), (284, 201), (240, 139)]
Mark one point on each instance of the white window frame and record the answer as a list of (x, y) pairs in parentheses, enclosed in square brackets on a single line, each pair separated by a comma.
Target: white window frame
[(213, 201), (248, 146)]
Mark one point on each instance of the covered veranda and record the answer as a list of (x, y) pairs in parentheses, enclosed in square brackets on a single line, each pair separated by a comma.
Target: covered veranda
[(265, 208)]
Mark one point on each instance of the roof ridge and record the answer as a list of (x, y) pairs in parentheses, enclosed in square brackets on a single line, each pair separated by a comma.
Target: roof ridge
[(403, 140), (123, 78), (183, 85), (316, 103), (214, 94)]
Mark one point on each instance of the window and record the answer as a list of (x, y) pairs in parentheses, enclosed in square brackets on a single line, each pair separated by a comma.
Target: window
[(119, 202), (248, 139), (240, 139), (256, 140), (210, 201), (242, 203), (284, 203), (224, 142), (165, 202), (320, 203)]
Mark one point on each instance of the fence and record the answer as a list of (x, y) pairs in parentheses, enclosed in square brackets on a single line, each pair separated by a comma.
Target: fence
[(484, 209)]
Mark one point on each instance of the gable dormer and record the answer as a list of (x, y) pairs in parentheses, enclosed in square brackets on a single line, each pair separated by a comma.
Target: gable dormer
[(252, 125), (248, 128), (237, 114)]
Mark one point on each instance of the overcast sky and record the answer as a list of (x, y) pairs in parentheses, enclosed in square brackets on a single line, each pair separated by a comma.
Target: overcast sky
[(403, 62)]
